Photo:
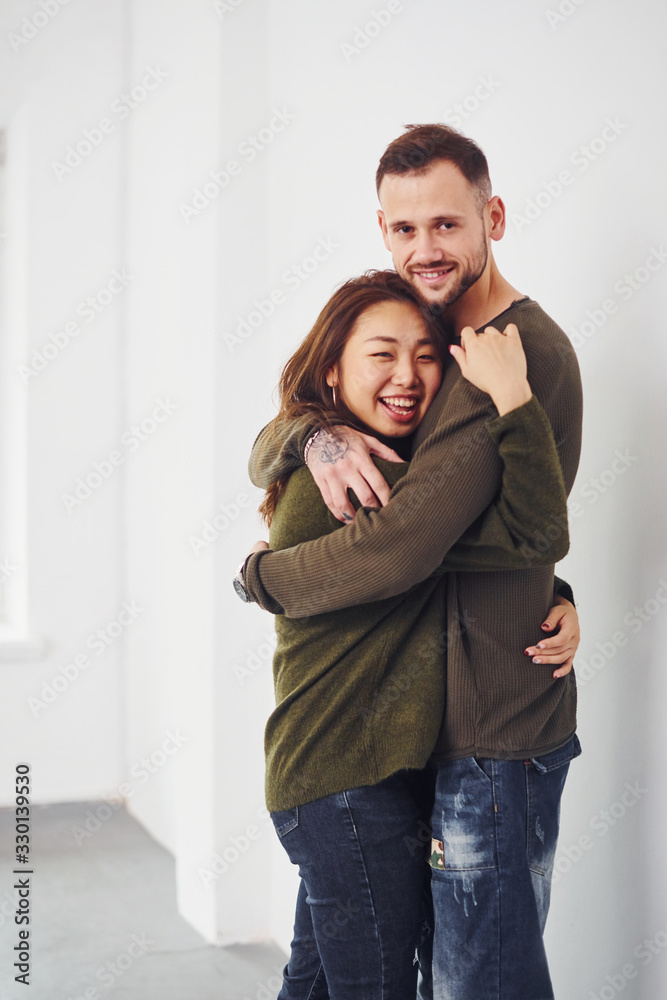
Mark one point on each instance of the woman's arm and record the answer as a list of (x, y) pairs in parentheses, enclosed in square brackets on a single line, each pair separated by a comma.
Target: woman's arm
[(276, 453)]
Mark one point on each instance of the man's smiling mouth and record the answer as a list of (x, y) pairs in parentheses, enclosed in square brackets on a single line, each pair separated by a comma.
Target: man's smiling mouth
[(433, 274)]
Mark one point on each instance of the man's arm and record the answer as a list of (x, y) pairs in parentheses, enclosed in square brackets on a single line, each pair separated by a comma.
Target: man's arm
[(526, 525), (454, 476)]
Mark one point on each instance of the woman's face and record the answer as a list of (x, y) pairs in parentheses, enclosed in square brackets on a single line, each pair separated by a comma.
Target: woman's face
[(389, 370)]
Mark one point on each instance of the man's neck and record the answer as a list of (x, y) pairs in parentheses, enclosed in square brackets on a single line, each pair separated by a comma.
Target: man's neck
[(489, 296)]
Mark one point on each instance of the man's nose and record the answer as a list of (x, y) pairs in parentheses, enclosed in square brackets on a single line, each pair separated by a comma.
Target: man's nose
[(427, 248)]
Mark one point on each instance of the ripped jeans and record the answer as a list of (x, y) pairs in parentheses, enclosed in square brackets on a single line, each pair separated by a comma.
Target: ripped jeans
[(495, 827)]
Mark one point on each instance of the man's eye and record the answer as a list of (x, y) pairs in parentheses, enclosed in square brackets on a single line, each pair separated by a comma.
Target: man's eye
[(404, 230), (446, 225)]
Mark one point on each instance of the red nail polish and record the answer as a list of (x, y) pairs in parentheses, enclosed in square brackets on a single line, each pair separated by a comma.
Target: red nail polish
[(526, 653)]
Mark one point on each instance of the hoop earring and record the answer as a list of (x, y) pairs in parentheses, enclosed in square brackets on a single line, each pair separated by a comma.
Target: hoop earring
[(333, 393)]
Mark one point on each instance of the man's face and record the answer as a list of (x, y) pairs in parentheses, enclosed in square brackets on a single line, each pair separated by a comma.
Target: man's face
[(438, 237)]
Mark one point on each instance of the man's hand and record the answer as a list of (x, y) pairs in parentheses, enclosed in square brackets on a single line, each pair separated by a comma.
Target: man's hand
[(258, 547), (339, 461), (559, 648)]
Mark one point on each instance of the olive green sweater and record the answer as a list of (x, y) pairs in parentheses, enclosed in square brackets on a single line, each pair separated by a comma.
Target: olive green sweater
[(360, 692)]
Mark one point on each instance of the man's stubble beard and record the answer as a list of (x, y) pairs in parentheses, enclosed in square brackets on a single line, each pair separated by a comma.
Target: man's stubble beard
[(471, 274)]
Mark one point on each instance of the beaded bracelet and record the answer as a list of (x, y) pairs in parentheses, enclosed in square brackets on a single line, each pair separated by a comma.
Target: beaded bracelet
[(308, 444)]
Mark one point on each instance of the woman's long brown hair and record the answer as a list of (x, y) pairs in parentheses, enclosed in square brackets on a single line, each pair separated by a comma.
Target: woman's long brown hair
[(303, 385)]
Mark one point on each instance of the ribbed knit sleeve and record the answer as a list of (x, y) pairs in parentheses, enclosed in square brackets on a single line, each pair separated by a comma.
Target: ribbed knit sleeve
[(526, 525), (276, 453)]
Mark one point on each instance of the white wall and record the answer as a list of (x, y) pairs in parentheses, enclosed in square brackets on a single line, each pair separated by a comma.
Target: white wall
[(534, 89), (62, 246)]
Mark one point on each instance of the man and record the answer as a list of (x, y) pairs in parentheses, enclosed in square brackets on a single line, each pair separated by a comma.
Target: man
[(508, 731)]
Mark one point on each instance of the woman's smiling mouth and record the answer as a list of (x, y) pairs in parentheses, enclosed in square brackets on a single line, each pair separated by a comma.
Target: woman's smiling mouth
[(401, 408)]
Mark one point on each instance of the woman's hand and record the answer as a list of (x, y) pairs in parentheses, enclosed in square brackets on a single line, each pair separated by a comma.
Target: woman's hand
[(558, 648), (495, 362)]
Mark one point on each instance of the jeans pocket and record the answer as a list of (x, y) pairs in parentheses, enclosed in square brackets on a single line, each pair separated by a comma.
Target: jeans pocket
[(557, 758), (545, 781), (285, 820), (465, 808)]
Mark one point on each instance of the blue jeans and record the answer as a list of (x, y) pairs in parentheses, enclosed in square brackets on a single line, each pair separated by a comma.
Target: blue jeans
[(494, 827), (362, 860)]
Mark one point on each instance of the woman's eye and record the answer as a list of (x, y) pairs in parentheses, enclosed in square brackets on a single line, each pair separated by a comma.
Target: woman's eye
[(382, 354)]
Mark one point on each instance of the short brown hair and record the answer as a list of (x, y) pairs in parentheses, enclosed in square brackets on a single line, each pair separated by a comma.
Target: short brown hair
[(422, 145)]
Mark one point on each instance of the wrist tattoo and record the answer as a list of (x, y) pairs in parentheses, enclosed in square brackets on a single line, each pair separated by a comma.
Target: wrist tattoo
[(329, 448)]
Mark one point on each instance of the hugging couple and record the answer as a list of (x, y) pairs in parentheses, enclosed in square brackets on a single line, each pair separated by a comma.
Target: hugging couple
[(416, 479)]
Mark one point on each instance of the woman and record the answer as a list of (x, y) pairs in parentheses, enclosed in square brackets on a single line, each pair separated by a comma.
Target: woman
[(359, 692)]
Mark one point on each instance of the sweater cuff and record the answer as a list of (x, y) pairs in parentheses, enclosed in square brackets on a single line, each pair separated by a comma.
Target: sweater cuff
[(563, 589), (254, 586), (524, 420)]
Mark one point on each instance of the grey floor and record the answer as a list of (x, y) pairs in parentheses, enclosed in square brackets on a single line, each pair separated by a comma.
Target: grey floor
[(86, 904)]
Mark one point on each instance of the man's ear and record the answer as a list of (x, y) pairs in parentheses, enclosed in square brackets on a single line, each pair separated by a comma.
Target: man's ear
[(494, 214), (383, 227)]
